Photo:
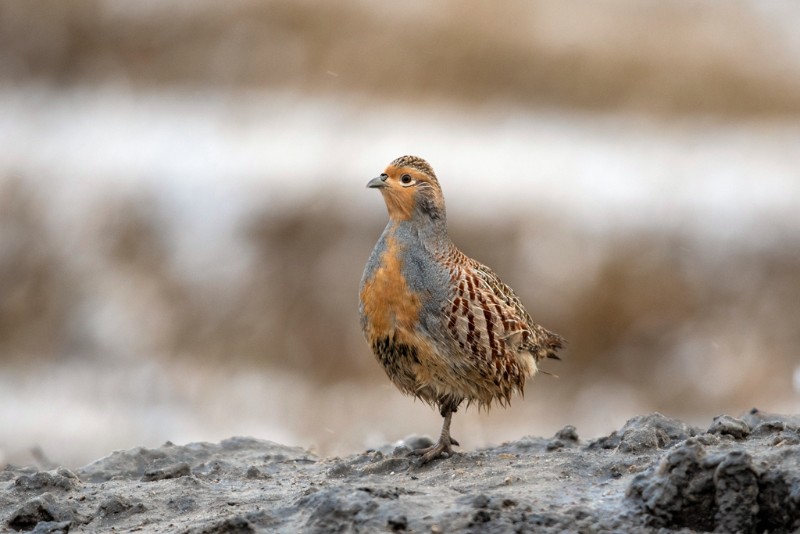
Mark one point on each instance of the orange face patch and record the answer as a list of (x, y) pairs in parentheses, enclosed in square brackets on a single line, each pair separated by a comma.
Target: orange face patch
[(400, 199)]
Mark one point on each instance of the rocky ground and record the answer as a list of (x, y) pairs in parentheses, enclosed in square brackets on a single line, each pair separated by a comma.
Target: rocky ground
[(655, 473)]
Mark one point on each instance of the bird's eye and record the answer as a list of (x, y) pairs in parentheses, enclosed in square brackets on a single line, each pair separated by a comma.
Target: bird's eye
[(406, 178)]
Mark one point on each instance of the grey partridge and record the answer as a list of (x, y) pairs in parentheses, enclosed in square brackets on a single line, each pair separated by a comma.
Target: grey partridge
[(445, 328)]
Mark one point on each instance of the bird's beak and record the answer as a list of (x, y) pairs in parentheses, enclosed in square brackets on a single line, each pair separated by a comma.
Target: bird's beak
[(378, 182)]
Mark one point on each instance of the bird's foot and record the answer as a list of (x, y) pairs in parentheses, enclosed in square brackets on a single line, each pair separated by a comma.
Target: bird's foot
[(440, 449)]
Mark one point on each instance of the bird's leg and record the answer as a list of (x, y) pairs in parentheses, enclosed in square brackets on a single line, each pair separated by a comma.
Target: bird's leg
[(444, 447)]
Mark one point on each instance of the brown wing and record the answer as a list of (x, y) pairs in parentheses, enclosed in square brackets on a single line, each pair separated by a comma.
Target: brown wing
[(537, 340), (489, 337), (498, 342), (482, 323)]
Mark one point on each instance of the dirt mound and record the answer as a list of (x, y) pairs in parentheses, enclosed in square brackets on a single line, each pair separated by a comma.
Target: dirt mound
[(741, 474)]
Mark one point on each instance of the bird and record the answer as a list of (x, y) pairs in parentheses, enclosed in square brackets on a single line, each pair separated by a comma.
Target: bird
[(444, 326)]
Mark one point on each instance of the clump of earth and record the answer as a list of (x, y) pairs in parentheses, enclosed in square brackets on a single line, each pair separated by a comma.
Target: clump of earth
[(655, 473)]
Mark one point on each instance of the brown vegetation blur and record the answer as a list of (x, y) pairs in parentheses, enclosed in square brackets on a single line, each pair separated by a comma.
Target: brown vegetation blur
[(664, 313), (649, 305), (666, 57)]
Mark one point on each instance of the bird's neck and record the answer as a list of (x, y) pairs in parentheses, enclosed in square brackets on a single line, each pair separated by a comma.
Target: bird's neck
[(431, 234)]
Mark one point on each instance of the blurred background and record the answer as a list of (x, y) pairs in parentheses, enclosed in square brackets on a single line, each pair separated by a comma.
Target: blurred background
[(184, 222)]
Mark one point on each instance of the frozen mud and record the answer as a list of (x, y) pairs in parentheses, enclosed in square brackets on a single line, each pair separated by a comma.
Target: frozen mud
[(654, 474)]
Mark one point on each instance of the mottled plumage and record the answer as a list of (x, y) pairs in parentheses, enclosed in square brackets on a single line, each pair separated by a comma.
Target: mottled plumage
[(445, 328)]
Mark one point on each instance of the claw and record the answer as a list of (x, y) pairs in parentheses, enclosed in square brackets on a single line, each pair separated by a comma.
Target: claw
[(442, 448), (436, 451)]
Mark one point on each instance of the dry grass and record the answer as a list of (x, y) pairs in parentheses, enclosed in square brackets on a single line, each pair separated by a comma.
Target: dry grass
[(649, 310), (669, 57), (37, 291)]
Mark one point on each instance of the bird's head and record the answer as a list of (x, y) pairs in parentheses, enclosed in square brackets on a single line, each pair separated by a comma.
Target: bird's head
[(410, 190)]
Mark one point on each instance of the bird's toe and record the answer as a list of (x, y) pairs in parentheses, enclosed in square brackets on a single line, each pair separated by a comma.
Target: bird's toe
[(439, 450)]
